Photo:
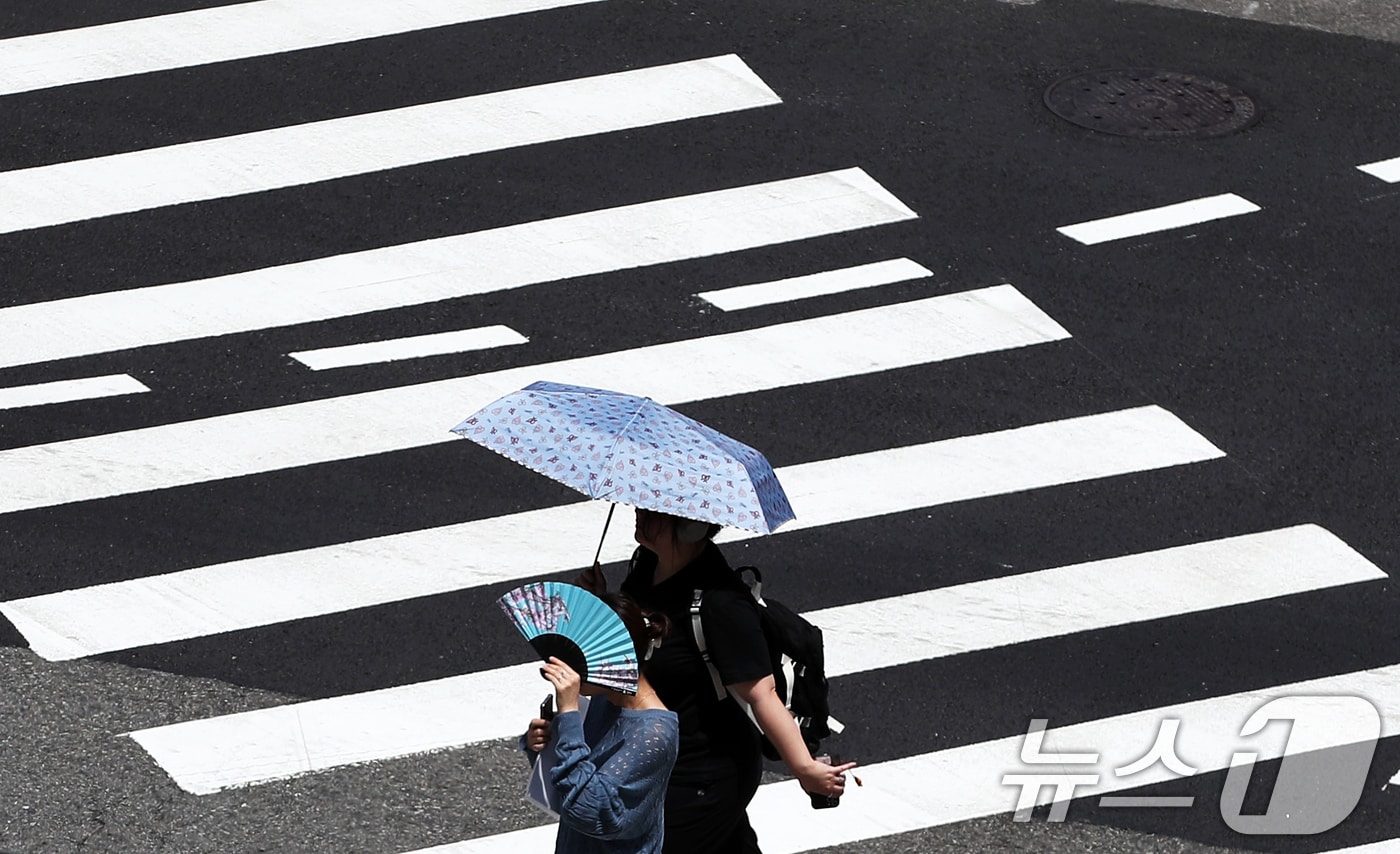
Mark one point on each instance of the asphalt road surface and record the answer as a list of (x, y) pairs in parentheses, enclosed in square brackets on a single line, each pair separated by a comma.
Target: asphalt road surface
[(1084, 428)]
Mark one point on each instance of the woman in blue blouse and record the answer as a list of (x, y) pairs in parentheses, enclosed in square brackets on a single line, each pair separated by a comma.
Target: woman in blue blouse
[(613, 764)]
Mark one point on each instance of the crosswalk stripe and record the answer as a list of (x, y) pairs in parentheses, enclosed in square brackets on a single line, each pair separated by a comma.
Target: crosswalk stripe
[(207, 755), (807, 351), (331, 579), (1386, 170), (1159, 219), (481, 262), (352, 145), (1137, 588), (817, 284), (235, 31), (1385, 846), (1069, 450), (67, 391), (414, 347), (963, 783)]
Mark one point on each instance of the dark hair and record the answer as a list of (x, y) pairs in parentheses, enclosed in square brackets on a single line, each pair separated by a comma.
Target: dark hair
[(710, 532), (711, 529), (643, 625)]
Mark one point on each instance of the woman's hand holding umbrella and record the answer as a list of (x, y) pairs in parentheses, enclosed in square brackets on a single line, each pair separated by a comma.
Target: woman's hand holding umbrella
[(592, 580)]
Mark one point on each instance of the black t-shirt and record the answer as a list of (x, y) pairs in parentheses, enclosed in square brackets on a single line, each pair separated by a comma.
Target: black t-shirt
[(717, 740)]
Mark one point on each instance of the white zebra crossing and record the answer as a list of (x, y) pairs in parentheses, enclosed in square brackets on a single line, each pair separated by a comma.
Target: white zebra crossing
[(1385, 846), (352, 145), (1386, 170), (481, 262), (413, 347), (67, 391), (207, 755), (1114, 591), (963, 783), (232, 596), (1178, 215), (816, 284), (221, 33), (807, 351)]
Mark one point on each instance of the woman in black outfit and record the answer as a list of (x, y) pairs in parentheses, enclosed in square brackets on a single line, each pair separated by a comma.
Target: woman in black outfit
[(718, 767)]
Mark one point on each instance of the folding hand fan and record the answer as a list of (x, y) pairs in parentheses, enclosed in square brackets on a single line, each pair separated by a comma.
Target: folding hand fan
[(577, 627)]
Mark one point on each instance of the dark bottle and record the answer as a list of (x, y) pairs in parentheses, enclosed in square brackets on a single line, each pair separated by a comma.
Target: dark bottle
[(822, 802)]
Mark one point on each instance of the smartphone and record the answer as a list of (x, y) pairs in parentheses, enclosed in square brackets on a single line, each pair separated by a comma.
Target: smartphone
[(547, 708)]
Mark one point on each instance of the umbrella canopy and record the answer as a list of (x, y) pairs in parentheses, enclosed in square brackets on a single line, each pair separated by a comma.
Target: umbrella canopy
[(632, 450)]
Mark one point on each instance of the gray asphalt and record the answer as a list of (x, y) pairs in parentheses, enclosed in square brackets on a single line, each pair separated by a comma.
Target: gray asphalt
[(1371, 19), (74, 783)]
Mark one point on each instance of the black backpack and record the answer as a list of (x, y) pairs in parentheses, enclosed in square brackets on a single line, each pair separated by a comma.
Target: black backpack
[(799, 667)]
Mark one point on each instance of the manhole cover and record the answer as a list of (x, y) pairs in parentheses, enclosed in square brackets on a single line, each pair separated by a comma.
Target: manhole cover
[(1151, 103)]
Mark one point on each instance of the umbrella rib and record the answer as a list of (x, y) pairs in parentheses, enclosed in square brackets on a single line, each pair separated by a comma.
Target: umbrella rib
[(618, 438)]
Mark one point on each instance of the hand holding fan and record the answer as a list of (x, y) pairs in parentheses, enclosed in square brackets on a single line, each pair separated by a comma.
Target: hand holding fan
[(577, 627)]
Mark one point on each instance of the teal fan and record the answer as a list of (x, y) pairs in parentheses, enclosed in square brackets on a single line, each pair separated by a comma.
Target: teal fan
[(577, 627)]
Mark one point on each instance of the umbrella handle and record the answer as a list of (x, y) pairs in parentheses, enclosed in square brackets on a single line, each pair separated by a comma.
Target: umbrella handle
[(606, 523)]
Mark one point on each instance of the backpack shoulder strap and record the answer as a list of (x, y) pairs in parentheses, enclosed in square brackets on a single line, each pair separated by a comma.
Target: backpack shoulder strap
[(696, 599)]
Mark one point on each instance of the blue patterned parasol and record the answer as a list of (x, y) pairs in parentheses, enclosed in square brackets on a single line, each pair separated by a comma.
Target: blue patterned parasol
[(632, 450)]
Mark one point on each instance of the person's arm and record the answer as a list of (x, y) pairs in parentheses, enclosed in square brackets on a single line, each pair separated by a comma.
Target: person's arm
[(621, 798), (777, 723)]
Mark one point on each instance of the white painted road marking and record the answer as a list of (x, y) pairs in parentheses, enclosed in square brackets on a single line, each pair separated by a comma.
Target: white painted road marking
[(1386, 170), (1386, 846), (1029, 606), (1015, 460), (817, 284), (354, 145), (232, 596), (480, 262), (207, 755), (415, 347), (1159, 219), (808, 351), (963, 783), (235, 31), (67, 391)]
